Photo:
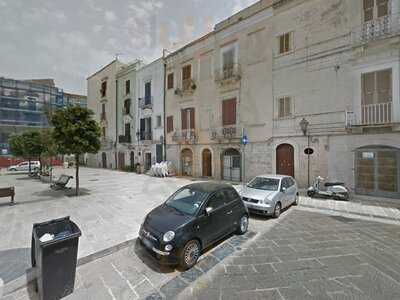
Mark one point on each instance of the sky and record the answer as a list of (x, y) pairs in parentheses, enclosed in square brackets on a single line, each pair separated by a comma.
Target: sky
[(70, 40)]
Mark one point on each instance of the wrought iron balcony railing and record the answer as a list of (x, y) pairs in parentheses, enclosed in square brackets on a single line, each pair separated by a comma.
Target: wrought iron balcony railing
[(185, 136), (125, 139), (226, 132), (231, 73), (379, 28), (187, 88), (146, 136), (146, 102)]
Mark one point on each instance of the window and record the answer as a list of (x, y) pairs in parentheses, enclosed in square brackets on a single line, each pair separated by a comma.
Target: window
[(230, 195), (103, 111), (170, 124), (229, 112), (170, 81), (147, 92), (127, 106), (158, 121), (265, 184), (374, 9), (228, 58), (145, 129), (103, 132), (128, 129), (377, 87), (216, 201), (285, 43), (187, 116), (127, 87), (284, 107), (186, 77), (103, 90), (186, 201)]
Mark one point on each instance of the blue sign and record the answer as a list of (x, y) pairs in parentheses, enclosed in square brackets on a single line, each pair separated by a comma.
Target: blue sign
[(245, 140)]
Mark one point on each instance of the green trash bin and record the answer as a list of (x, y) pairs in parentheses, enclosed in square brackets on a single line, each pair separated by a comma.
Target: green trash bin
[(55, 259)]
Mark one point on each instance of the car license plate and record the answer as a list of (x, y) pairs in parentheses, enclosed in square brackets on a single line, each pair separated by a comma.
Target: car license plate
[(147, 243)]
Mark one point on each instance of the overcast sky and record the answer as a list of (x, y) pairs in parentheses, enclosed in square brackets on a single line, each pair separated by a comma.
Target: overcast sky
[(70, 39)]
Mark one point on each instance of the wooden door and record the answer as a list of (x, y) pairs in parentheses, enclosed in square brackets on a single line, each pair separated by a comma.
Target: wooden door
[(121, 160), (207, 165), (285, 160), (104, 160)]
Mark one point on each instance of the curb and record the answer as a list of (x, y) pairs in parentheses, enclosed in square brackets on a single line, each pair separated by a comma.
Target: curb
[(30, 275), (350, 212)]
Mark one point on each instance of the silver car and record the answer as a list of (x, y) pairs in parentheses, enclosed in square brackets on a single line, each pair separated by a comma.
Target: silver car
[(268, 194)]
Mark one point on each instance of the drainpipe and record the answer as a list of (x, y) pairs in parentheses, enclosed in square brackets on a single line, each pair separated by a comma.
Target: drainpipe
[(164, 114), (116, 123)]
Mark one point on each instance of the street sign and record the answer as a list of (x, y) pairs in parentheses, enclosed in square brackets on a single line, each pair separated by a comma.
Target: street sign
[(245, 140), (308, 151)]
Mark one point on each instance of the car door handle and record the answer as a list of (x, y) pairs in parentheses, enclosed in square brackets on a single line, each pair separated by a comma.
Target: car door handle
[(229, 212)]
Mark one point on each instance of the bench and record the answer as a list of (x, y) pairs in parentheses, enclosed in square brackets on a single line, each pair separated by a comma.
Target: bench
[(61, 182), (8, 192)]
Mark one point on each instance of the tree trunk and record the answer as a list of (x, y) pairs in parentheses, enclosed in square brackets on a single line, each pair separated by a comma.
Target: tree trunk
[(40, 161), (77, 173), (29, 165)]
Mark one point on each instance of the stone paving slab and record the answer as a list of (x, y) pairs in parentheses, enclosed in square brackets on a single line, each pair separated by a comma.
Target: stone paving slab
[(110, 213), (339, 258), (369, 209)]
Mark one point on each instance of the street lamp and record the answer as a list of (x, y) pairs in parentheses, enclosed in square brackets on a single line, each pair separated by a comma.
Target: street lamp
[(304, 128)]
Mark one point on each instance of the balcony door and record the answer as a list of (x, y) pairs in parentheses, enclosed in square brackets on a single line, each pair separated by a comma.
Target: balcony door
[(376, 102), (374, 9)]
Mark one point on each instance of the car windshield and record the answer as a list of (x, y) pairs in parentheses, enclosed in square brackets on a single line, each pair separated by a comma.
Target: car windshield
[(266, 184), (186, 201)]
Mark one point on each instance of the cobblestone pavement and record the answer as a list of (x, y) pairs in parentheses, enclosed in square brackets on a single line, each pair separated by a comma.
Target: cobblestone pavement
[(310, 255)]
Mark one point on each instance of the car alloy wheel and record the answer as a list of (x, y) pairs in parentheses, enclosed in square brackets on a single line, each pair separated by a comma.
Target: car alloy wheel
[(191, 253), (243, 225), (277, 210)]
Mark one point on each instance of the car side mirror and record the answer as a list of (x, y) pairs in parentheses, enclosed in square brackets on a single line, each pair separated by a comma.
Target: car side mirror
[(283, 190), (208, 210)]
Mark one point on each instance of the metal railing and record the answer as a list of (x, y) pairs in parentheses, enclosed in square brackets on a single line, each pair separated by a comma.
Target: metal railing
[(227, 73), (226, 132), (146, 102), (124, 139), (371, 114), (146, 136), (184, 136), (379, 28)]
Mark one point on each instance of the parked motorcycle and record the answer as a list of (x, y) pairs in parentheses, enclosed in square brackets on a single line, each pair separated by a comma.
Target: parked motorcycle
[(333, 190)]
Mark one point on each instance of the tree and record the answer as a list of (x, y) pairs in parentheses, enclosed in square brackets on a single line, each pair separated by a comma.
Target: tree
[(75, 132), (49, 146), (28, 145)]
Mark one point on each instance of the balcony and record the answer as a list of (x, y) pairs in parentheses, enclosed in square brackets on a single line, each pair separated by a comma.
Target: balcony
[(124, 139), (188, 87), (379, 114), (376, 29), (228, 74), (185, 136), (146, 102), (230, 132), (145, 136)]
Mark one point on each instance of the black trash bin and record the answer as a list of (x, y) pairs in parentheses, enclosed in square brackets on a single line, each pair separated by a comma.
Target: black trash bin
[(55, 260)]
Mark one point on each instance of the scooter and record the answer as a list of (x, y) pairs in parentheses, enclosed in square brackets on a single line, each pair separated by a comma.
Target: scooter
[(333, 190)]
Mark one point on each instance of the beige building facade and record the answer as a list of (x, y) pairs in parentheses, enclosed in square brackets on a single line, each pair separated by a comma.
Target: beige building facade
[(312, 84), (102, 100)]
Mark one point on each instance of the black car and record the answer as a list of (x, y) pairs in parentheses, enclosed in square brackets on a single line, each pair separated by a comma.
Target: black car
[(193, 218)]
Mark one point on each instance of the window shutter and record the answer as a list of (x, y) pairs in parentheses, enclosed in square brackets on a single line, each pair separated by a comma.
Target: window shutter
[(368, 10), (192, 118), (383, 8), (184, 119), (187, 72), (281, 44), (368, 88), (170, 81), (287, 42), (281, 107), (170, 124), (142, 125), (229, 112), (287, 107), (384, 86)]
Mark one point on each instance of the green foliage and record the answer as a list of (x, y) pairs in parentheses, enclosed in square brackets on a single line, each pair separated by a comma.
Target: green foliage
[(49, 145), (75, 131), (17, 145)]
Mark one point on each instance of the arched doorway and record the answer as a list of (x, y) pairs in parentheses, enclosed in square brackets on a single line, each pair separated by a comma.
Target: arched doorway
[(285, 160), (104, 160), (121, 160), (207, 163), (187, 162), (132, 160), (231, 165), (377, 171)]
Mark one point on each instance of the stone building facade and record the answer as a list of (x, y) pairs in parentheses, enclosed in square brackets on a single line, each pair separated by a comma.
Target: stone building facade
[(292, 76)]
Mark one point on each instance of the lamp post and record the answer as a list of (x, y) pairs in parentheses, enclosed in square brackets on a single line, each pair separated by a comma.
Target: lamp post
[(304, 128)]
